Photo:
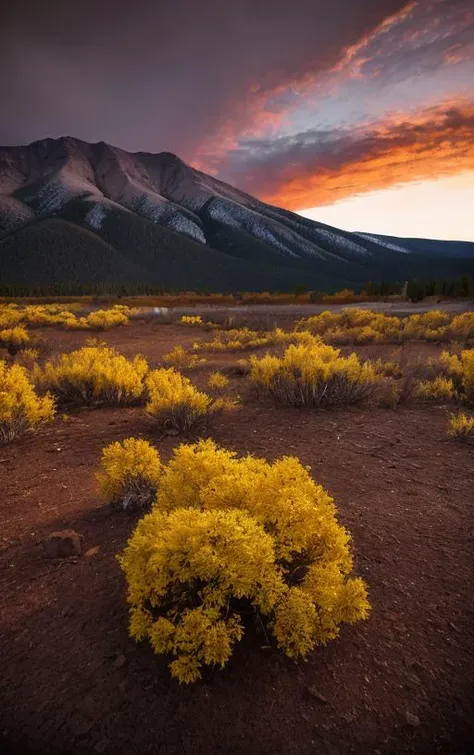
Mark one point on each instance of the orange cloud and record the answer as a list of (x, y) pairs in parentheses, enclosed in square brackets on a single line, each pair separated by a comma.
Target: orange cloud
[(434, 143), (419, 37)]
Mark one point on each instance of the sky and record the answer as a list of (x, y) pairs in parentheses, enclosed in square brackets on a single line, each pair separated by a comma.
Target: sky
[(358, 114)]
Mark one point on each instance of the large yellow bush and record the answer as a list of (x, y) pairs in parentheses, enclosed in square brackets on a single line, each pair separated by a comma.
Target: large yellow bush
[(21, 409), (314, 375), (94, 375), (230, 538), (174, 401), (129, 474)]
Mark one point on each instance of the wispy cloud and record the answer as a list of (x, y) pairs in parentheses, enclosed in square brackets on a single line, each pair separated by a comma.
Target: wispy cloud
[(425, 41), (318, 167)]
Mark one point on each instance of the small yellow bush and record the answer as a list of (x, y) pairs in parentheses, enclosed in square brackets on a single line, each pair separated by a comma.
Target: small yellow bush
[(217, 381), (21, 409), (175, 403), (10, 316), (461, 371), (192, 320), (462, 326), (231, 538), (14, 339), (103, 319), (129, 474), (461, 426), (182, 359), (439, 388), (27, 357), (94, 375), (314, 375)]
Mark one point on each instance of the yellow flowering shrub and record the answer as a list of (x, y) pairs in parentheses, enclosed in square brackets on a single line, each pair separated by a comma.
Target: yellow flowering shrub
[(355, 325), (129, 474), (217, 381), (182, 359), (429, 326), (462, 326), (10, 316), (63, 315), (191, 320), (352, 325), (233, 541), (92, 376), (14, 339), (103, 319), (21, 409), (27, 357), (461, 371), (175, 403), (461, 426), (314, 375), (438, 388), (237, 339)]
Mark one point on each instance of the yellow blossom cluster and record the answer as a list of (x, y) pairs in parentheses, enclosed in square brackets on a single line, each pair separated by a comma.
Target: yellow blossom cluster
[(314, 374), (14, 338), (93, 375), (233, 539), (63, 315), (217, 381), (461, 425), (438, 388), (174, 401), (21, 409), (129, 473), (191, 320), (356, 325), (182, 359)]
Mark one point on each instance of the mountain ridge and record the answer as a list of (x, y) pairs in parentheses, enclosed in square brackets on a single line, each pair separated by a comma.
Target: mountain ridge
[(169, 224)]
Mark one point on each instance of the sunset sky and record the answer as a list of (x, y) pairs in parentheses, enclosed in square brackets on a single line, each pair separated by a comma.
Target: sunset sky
[(359, 114)]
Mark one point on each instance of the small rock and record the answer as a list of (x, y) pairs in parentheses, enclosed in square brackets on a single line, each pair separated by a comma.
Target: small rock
[(411, 719), (348, 717), (92, 551), (102, 745), (120, 661), (313, 692), (63, 544)]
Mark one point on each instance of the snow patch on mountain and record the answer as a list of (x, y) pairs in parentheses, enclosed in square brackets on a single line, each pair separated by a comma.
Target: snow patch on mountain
[(385, 244)]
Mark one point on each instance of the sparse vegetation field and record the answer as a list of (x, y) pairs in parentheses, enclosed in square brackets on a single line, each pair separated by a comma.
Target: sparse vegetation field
[(352, 470)]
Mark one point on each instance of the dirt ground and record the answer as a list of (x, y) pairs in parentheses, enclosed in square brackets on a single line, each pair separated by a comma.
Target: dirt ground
[(400, 682)]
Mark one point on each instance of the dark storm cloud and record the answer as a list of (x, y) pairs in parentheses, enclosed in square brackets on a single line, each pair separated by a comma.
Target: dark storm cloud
[(161, 76)]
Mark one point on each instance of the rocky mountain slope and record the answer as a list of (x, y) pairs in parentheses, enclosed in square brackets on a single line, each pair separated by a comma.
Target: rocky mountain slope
[(79, 213)]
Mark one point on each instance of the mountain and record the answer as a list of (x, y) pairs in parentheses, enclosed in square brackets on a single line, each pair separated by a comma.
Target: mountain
[(432, 247), (78, 214)]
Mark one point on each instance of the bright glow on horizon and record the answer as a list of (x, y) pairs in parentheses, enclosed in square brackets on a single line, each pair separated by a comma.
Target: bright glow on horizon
[(441, 209)]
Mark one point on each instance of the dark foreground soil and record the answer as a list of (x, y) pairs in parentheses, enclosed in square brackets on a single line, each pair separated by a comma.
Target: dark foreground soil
[(401, 682)]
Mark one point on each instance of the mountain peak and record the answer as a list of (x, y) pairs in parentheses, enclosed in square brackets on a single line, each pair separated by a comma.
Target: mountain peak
[(141, 204)]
